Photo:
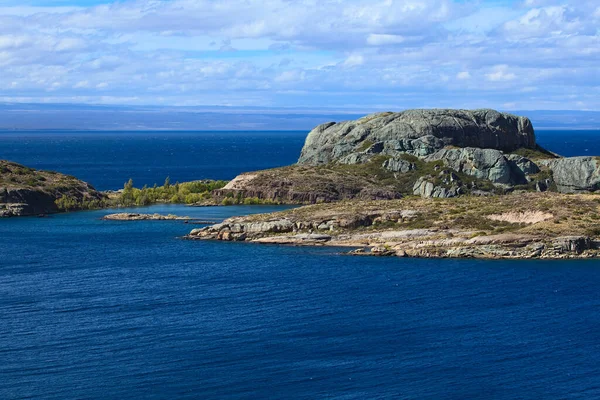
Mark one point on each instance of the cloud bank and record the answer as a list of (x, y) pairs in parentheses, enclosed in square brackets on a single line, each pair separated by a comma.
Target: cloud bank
[(389, 54)]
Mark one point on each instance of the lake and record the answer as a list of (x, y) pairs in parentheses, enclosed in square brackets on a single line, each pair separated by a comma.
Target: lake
[(107, 309)]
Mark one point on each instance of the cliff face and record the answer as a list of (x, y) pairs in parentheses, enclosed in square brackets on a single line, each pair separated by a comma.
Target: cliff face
[(17, 202), (25, 191), (417, 132)]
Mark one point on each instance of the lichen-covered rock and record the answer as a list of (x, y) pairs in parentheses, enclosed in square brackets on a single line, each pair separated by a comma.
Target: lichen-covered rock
[(418, 132), (276, 226), (522, 164), (398, 165), (424, 187), (488, 164), (575, 174)]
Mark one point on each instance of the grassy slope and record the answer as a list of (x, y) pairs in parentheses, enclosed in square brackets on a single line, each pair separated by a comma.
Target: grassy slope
[(70, 193)]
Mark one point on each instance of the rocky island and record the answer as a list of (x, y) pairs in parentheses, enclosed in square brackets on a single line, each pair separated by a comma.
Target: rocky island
[(426, 183), (26, 191), (144, 217)]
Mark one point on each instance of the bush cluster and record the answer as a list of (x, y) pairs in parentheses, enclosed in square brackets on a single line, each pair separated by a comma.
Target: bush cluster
[(178, 193)]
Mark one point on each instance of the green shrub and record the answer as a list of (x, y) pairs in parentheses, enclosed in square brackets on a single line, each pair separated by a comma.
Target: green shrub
[(228, 201), (192, 198)]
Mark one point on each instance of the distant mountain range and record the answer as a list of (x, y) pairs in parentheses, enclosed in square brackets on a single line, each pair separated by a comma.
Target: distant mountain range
[(17, 116)]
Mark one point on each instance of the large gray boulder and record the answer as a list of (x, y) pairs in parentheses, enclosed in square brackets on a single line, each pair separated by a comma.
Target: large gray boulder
[(488, 164), (417, 132), (575, 174), (424, 187)]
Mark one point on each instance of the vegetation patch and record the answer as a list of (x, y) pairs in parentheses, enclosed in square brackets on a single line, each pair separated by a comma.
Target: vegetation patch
[(178, 193), (539, 153)]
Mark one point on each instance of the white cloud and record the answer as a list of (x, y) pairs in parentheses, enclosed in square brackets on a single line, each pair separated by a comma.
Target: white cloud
[(82, 85), (354, 60), (13, 41), (500, 73), (381, 40), (181, 51), (290, 76)]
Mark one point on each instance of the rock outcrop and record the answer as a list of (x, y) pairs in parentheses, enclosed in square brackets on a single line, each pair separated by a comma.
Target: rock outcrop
[(143, 217), (25, 191), (575, 174), (487, 164), (430, 153), (417, 132)]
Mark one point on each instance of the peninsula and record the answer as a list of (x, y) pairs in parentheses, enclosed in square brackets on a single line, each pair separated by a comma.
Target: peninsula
[(26, 191), (426, 183)]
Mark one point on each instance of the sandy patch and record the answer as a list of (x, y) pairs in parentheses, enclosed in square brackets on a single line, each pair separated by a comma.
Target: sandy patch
[(527, 217), (238, 183)]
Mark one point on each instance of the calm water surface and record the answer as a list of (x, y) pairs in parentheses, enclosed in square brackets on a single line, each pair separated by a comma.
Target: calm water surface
[(108, 159), (105, 309)]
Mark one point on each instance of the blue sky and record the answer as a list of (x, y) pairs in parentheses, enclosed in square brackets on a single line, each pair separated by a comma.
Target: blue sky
[(353, 54)]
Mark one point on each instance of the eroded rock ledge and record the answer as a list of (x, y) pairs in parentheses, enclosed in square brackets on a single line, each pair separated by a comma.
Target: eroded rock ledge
[(526, 225)]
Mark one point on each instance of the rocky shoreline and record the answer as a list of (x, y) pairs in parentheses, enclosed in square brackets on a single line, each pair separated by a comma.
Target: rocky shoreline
[(143, 217), (155, 217), (426, 183), (518, 226), (26, 192)]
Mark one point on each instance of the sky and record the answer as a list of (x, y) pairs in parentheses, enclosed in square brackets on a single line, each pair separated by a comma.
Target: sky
[(352, 54)]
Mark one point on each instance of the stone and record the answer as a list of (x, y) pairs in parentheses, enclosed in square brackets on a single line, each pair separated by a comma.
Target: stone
[(142, 217), (382, 251), (398, 165), (487, 164), (575, 244), (276, 226), (418, 132), (575, 174), (542, 186), (522, 164), (424, 188)]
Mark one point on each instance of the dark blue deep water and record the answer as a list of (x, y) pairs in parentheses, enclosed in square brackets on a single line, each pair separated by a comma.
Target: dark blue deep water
[(108, 159), (102, 309)]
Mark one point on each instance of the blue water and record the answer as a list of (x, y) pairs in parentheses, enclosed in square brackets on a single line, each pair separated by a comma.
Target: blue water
[(108, 159), (105, 309)]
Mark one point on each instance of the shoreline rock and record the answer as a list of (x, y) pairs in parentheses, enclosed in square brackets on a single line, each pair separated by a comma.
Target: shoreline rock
[(143, 217), (463, 227)]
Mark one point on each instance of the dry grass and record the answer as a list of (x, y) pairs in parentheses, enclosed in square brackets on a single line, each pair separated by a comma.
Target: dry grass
[(19, 176), (563, 214)]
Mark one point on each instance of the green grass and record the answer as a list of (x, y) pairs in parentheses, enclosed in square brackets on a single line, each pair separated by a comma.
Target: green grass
[(365, 145), (539, 153)]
